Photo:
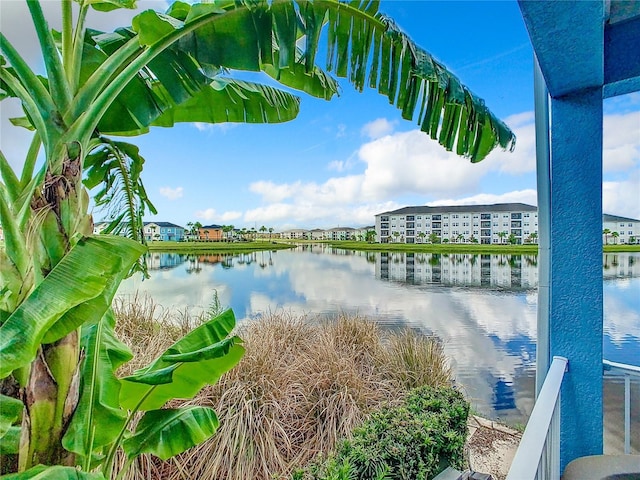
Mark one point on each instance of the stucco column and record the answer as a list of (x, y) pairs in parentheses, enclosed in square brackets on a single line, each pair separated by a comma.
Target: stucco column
[(575, 306)]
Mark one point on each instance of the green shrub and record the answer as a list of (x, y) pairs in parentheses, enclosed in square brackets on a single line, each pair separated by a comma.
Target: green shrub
[(415, 440)]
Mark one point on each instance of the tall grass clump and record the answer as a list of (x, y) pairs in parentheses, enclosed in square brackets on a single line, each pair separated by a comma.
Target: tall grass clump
[(303, 384)]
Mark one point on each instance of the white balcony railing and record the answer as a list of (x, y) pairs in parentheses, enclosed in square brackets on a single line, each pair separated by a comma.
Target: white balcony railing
[(626, 371), (538, 455)]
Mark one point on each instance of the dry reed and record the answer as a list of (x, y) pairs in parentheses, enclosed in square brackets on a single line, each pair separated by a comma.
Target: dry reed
[(303, 384)]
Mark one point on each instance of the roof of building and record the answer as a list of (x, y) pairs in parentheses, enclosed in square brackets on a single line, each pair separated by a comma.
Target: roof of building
[(497, 207), (615, 218), (163, 224), (213, 227)]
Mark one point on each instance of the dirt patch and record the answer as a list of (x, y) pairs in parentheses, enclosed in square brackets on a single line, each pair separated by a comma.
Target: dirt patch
[(491, 447)]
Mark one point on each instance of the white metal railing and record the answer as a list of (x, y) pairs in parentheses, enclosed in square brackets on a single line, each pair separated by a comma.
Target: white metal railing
[(538, 455), (626, 371)]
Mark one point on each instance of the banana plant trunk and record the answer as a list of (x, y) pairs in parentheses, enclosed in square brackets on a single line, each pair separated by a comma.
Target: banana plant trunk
[(50, 392)]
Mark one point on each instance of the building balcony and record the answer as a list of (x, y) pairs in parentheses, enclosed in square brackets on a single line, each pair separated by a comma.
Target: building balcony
[(538, 455)]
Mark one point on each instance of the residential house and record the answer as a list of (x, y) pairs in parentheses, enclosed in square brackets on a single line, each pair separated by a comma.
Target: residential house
[(163, 232), (210, 233)]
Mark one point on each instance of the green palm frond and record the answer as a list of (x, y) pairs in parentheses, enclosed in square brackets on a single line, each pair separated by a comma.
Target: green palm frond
[(114, 168)]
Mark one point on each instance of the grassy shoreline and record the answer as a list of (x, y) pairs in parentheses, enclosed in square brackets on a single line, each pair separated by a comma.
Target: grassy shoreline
[(258, 245), (219, 247)]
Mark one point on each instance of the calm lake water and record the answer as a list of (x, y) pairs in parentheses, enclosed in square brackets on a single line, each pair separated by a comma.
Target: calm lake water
[(483, 307)]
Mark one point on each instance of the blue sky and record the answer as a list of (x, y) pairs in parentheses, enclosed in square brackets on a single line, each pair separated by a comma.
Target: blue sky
[(341, 162)]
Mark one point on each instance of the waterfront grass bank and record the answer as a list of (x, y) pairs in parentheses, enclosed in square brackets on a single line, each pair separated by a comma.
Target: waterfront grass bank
[(218, 247), (442, 248)]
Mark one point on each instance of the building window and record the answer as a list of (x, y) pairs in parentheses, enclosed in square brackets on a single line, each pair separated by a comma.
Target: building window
[(410, 218), (516, 216), (436, 217), (384, 218), (411, 233)]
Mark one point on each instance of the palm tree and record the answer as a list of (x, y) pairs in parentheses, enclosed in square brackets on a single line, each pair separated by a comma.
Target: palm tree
[(270, 232), (262, 230), (606, 233), (226, 229), (177, 67), (615, 236), (502, 236), (396, 235)]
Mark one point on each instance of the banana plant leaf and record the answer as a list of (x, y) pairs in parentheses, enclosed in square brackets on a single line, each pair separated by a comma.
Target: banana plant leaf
[(98, 418), (361, 42), (80, 288), (10, 441), (198, 359), (10, 414), (43, 472), (169, 432), (228, 100)]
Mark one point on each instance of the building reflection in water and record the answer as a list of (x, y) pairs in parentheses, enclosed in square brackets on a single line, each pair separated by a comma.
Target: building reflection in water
[(495, 271)]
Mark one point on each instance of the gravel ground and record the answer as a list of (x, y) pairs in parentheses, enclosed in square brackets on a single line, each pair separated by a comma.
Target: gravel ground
[(490, 447)]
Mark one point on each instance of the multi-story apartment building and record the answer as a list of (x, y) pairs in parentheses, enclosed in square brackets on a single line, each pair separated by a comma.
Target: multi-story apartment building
[(498, 223), (488, 224), (620, 230)]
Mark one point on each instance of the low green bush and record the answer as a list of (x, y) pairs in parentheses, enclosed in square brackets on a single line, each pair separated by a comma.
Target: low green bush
[(415, 440)]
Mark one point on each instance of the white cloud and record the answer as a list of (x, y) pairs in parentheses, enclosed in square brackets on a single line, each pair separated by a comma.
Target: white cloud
[(528, 196), (273, 193), (621, 139), (622, 197), (171, 193), (209, 127), (377, 128), (228, 216), (210, 214), (287, 215)]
